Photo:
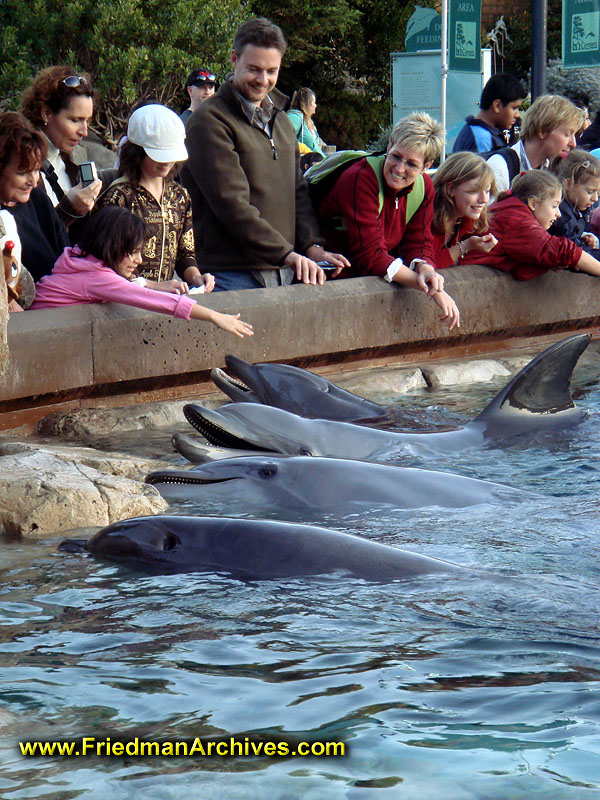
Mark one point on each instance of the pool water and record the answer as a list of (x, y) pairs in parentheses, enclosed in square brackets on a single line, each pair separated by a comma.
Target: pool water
[(485, 686)]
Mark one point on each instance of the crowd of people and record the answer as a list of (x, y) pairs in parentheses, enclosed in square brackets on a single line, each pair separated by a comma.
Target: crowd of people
[(217, 199)]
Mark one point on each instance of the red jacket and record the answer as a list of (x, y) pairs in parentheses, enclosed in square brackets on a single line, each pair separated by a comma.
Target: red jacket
[(524, 248), (371, 240), (442, 243)]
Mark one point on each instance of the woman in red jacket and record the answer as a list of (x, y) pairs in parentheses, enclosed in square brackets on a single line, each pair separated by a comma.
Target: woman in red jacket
[(520, 220), (462, 191)]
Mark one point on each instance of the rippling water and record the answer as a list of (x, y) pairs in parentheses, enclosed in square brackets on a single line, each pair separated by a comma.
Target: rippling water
[(440, 687)]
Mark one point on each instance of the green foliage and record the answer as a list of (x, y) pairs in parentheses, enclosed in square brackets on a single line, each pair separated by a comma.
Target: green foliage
[(133, 49), (341, 49)]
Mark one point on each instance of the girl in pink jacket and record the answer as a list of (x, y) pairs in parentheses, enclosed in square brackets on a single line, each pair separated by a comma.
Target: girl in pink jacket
[(99, 270)]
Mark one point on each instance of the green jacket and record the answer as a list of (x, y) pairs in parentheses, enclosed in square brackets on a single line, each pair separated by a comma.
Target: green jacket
[(250, 201)]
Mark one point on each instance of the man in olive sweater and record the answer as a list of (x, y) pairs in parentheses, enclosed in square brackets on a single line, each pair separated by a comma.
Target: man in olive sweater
[(254, 225)]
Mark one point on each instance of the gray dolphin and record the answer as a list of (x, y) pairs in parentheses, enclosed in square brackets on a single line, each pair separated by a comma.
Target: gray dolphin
[(323, 484), (250, 549), (537, 398), (309, 395), (293, 389)]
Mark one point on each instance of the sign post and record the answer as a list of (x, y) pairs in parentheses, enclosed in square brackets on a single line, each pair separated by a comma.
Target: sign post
[(465, 36)]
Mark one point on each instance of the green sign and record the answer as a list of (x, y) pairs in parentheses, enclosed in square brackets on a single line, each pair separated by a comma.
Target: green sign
[(581, 33), (423, 30), (464, 36)]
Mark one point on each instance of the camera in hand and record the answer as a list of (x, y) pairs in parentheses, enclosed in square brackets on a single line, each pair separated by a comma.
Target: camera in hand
[(87, 173)]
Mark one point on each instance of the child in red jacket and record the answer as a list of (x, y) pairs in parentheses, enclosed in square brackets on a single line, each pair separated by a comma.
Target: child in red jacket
[(462, 191), (520, 219)]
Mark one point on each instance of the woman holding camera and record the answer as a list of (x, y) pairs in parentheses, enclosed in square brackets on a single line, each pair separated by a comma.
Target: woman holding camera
[(60, 104)]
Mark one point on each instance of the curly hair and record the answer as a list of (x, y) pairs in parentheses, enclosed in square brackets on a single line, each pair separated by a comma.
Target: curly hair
[(456, 170), (48, 90), (20, 140)]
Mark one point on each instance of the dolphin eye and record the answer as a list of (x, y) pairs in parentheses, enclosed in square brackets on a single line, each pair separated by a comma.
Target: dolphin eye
[(304, 452), (170, 542), (267, 472)]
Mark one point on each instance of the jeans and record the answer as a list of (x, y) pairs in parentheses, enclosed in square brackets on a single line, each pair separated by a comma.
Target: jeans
[(234, 279)]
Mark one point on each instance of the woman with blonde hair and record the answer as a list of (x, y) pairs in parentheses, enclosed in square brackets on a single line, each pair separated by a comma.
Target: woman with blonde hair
[(548, 130), (462, 191), (302, 109)]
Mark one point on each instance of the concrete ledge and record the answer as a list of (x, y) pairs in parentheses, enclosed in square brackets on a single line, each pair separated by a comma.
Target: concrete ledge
[(65, 351)]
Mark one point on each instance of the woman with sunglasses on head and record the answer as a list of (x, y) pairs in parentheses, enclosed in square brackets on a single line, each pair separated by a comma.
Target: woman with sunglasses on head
[(60, 103)]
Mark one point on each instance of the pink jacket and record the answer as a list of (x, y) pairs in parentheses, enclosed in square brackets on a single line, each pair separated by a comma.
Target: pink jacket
[(87, 280)]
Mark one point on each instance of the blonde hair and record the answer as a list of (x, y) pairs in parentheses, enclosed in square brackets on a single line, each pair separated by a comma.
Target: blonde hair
[(537, 183), (456, 170), (548, 112), (578, 166), (419, 132)]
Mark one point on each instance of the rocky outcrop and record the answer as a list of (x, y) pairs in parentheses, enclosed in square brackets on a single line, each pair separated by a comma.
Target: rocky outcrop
[(49, 490)]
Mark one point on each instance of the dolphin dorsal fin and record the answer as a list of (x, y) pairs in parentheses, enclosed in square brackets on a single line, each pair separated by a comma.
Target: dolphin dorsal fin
[(543, 386)]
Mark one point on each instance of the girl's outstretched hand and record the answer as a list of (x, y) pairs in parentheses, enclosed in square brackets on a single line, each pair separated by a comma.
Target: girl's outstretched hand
[(451, 314), (483, 243), (233, 324)]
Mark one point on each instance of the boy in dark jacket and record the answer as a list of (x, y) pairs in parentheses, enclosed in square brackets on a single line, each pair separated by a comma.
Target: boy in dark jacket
[(500, 102)]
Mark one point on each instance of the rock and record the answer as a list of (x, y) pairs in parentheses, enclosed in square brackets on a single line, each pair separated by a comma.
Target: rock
[(85, 422), (392, 381), (469, 372), (48, 490)]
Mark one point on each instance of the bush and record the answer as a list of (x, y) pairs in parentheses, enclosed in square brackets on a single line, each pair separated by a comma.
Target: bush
[(133, 49)]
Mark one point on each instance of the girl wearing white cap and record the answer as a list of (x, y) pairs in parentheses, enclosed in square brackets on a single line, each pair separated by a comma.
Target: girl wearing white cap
[(149, 161)]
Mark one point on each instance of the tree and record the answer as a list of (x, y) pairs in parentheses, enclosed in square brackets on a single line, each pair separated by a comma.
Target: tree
[(133, 49)]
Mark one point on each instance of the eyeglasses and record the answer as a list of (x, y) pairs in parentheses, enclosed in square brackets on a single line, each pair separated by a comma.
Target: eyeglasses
[(75, 80), (411, 166)]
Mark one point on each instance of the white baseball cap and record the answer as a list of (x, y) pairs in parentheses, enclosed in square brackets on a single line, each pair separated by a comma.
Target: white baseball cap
[(159, 131)]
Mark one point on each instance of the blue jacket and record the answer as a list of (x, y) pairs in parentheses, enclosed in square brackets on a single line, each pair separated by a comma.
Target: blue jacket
[(479, 137), (572, 224)]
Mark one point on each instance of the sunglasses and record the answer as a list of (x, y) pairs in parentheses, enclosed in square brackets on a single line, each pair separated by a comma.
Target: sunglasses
[(206, 76), (75, 80)]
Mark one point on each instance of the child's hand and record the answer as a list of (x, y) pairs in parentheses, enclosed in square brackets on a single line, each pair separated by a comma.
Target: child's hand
[(233, 324), (172, 287), (451, 313), (591, 240), (483, 243)]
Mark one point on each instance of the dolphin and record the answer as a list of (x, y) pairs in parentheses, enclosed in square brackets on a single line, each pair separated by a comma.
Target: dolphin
[(538, 398), (293, 389), (250, 549), (309, 395), (300, 482)]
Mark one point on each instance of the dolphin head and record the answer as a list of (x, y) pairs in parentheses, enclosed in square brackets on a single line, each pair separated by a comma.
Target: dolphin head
[(215, 473), (292, 389), (248, 426)]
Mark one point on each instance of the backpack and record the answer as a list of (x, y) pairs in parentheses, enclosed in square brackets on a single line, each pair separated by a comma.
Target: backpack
[(513, 161), (322, 176)]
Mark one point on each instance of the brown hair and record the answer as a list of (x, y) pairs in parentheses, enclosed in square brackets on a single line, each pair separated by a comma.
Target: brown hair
[(538, 183), (260, 32), (457, 169), (300, 101), (18, 138), (48, 90), (130, 163)]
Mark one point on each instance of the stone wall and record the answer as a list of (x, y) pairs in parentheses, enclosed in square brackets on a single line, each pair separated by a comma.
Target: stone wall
[(3, 325), (81, 348)]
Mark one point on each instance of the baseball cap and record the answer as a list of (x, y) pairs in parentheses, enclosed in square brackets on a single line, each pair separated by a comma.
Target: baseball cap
[(200, 77), (159, 131)]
